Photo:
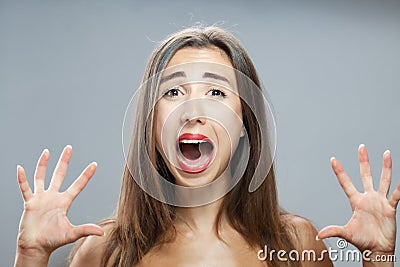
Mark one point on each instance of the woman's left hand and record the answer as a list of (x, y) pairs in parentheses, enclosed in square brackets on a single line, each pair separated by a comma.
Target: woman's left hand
[(373, 223)]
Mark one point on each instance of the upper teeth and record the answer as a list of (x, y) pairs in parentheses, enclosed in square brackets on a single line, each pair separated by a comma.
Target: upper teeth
[(186, 141)]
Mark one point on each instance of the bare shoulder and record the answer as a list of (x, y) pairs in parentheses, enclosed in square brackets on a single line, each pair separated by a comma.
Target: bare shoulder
[(90, 250), (303, 234)]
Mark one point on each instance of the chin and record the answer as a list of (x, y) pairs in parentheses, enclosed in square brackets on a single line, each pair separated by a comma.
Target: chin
[(195, 179)]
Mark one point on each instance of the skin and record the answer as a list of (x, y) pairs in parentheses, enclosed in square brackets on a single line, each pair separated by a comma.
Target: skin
[(196, 241), (168, 118)]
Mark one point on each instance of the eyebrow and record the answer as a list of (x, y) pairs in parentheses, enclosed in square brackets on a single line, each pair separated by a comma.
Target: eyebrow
[(179, 74), (173, 76), (215, 76)]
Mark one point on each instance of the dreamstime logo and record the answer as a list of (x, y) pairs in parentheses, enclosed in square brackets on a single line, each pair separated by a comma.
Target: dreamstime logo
[(143, 114), (341, 243), (340, 254)]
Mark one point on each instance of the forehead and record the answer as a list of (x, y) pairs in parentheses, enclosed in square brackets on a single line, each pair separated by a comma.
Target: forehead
[(200, 64), (191, 54)]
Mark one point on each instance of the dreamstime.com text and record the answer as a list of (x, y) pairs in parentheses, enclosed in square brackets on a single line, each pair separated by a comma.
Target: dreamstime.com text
[(340, 254)]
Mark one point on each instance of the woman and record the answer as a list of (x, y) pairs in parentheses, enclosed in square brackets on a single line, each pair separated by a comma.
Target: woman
[(180, 141)]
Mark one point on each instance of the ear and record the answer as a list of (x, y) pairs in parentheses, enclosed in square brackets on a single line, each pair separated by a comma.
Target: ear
[(243, 131)]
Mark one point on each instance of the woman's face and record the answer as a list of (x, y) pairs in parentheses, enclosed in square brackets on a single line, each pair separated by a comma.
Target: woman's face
[(198, 118)]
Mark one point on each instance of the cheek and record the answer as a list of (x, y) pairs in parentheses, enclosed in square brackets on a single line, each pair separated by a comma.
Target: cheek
[(237, 107), (226, 141), (164, 127), (159, 120), (235, 121)]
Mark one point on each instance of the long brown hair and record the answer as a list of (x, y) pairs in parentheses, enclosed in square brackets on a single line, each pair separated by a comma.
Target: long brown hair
[(142, 222)]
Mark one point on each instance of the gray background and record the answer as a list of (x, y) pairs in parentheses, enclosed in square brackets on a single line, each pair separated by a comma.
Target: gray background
[(69, 68)]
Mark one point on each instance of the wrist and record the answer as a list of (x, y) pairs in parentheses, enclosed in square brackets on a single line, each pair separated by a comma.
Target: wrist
[(31, 258)]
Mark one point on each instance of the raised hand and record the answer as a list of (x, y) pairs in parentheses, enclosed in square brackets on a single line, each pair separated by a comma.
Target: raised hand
[(373, 223), (44, 225)]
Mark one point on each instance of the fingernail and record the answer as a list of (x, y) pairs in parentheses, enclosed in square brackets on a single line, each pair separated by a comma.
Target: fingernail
[(387, 152), (18, 166), (95, 163), (361, 145), (332, 161), (317, 238), (45, 154)]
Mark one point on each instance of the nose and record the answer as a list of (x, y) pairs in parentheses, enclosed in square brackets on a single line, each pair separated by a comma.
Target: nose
[(191, 118), (193, 113)]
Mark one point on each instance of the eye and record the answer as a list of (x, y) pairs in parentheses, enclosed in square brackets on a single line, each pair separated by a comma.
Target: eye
[(216, 92), (173, 92)]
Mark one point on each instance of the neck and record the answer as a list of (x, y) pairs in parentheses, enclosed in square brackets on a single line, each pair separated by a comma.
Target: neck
[(203, 218), (200, 219)]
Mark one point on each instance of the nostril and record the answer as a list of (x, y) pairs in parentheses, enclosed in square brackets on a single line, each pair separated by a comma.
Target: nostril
[(185, 117), (201, 120), (190, 117), (193, 112)]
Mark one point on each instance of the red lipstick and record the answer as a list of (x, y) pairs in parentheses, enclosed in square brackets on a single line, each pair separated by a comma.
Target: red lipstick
[(190, 136), (194, 152)]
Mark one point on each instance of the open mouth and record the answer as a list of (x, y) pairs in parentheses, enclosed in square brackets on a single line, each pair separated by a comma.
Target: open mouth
[(195, 152)]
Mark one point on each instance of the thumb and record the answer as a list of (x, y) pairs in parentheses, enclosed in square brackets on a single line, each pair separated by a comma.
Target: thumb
[(84, 230), (332, 231)]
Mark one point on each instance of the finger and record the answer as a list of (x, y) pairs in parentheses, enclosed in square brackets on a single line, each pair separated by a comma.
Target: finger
[(23, 184), (332, 231), (386, 175), (84, 230), (365, 169), (61, 169), (80, 183), (40, 172), (394, 199), (344, 180)]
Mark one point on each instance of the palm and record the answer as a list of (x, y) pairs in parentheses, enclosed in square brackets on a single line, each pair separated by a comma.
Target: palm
[(373, 223), (46, 213), (44, 224)]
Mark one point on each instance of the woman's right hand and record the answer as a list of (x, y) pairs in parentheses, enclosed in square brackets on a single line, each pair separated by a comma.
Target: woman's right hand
[(44, 225)]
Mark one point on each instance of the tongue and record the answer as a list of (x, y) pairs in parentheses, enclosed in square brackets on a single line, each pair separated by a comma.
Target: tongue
[(190, 151), (196, 151), (195, 158)]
